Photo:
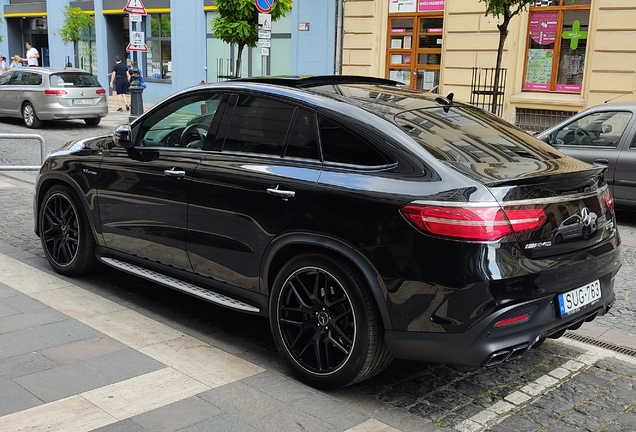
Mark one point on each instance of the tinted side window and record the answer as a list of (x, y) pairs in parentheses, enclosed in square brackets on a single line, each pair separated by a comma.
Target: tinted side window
[(36, 79), (303, 139), (599, 129), (4, 78), (258, 125), (185, 122), (340, 145), (20, 78)]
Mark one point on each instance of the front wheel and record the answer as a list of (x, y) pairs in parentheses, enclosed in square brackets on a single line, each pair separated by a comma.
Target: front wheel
[(325, 322), (65, 232), (29, 116)]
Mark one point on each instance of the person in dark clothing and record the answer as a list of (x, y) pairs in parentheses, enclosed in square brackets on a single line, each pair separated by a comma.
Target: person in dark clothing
[(119, 79)]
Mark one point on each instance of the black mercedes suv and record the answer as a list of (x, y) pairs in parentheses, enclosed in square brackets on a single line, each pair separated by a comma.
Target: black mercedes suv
[(367, 220)]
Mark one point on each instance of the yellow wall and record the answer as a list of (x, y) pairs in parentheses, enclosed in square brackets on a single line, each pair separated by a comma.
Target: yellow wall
[(364, 44), (471, 40)]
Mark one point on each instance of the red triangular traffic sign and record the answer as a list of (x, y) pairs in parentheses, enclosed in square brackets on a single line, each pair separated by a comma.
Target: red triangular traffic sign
[(142, 48), (135, 7)]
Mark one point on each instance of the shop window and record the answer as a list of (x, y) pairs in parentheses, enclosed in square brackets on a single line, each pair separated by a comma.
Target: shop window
[(414, 52), (557, 39), (87, 50), (159, 55)]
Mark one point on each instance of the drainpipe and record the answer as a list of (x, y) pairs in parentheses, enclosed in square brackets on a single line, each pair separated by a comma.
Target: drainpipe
[(339, 35)]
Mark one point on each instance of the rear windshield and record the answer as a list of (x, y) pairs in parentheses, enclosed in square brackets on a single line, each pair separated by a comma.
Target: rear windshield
[(462, 135), (73, 79), (467, 134)]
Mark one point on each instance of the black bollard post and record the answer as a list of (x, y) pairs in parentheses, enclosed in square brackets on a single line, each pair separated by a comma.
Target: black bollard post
[(136, 97)]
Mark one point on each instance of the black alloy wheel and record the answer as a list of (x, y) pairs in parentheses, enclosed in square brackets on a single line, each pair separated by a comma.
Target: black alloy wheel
[(325, 322), (65, 233)]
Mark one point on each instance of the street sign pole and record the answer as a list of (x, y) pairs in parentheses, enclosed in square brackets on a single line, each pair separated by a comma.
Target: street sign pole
[(136, 10), (264, 34)]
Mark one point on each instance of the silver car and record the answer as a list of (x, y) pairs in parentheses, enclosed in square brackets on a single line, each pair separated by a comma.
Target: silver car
[(603, 134), (40, 93)]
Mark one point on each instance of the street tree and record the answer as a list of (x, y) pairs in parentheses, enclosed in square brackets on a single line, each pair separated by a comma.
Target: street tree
[(506, 9), (237, 23), (76, 24), (1, 37)]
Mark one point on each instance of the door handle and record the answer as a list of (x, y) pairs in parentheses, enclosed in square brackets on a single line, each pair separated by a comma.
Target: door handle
[(175, 172), (602, 161), (283, 193)]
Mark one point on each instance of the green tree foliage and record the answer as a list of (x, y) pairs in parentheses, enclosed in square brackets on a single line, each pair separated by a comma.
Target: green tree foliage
[(1, 38), (506, 9), (237, 23), (76, 22)]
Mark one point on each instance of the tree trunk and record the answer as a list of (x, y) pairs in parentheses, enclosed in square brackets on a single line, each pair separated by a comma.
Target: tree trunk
[(503, 34), (239, 55)]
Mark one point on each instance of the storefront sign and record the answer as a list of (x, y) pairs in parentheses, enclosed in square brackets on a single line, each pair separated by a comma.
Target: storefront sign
[(575, 88), (430, 5), (543, 27), (402, 6)]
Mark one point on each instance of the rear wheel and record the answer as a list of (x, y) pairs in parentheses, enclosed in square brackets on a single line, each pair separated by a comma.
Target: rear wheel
[(325, 322), (92, 121), (31, 119), (65, 232)]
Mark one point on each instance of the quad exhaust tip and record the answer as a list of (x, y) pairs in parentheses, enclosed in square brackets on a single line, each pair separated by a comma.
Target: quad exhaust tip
[(508, 354)]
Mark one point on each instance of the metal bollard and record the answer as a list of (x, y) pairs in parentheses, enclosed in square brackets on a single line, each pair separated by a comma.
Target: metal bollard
[(136, 97), (25, 167)]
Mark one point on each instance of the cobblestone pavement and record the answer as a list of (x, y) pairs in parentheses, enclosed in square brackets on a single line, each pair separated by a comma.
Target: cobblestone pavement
[(562, 386)]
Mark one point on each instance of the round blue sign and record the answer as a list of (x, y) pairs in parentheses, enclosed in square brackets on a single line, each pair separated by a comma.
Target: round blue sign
[(264, 6)]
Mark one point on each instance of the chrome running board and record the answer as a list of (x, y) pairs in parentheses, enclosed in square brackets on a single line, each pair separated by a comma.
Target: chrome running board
[(180, 285)]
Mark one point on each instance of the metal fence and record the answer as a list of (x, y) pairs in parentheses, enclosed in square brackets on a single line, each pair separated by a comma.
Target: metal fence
[(25, 137), (482, 89)]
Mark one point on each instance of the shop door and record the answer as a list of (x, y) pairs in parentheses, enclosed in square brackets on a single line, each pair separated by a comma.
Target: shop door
[(414, 50)]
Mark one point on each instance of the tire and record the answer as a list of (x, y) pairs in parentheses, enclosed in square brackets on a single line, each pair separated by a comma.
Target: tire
[(94, 121), (65, 232), (29, 116), (325, 322), (558, 239), (586, 232)]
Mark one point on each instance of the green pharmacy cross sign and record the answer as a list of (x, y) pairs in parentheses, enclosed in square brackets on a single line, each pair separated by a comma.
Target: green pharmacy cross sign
[(575, 34)]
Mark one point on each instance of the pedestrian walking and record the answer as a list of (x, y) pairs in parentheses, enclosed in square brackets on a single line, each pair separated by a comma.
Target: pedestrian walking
[(32, 55), (119, 79)]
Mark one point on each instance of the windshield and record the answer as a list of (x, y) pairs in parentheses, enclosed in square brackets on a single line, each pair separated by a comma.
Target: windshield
[(73, 79)]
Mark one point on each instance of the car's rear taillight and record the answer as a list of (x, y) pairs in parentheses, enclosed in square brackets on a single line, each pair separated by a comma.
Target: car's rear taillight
[(54, 92), (486, 223), (609, 200), (100, 91)]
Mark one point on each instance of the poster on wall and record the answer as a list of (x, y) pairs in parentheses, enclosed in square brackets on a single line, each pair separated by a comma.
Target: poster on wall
[(543, 27), (430, 5), (402, 5), (539, 69)]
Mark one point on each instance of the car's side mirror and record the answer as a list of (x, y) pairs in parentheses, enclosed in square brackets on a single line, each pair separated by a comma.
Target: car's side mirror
[(121, 137), (607, 128)]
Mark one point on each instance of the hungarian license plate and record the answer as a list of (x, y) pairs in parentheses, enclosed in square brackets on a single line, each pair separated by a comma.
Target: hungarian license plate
[(576, 299), (82, 101)]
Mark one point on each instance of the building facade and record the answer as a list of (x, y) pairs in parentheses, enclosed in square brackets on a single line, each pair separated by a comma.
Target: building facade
[(560, 57), (182, 51)]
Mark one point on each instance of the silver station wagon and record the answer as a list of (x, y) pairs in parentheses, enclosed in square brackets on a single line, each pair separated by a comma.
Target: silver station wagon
[(40, 93)]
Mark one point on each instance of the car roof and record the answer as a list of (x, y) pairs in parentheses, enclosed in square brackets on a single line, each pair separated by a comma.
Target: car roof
[(50, 70)]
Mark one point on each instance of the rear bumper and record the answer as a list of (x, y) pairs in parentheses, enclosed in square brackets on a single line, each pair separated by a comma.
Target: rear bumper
[(485, 345), (57, 111)]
